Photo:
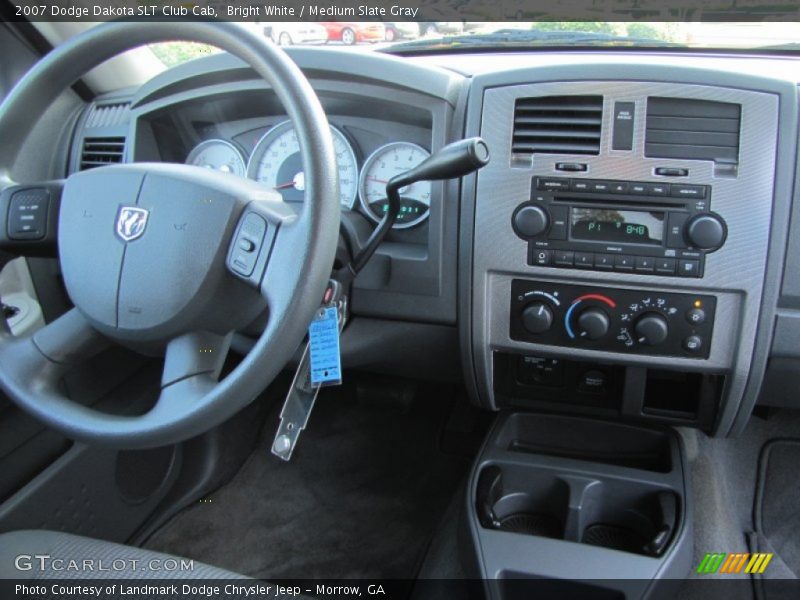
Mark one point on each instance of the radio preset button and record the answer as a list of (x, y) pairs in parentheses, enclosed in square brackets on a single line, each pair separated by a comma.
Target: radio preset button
[(604, 262), (584, 260), (623, 263), (564, 258), (644, 264), (665, 266)]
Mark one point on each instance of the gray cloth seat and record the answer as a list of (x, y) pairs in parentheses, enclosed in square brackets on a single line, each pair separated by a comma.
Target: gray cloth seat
[(22, 552)]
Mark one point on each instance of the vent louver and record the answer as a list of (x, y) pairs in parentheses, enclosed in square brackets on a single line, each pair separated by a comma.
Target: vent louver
[(108, 115), (691, 129), (98, 152), (558, 125)]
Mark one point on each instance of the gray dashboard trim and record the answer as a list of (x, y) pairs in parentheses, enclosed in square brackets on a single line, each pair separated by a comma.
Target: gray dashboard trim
[(382, 68), (734, 414)]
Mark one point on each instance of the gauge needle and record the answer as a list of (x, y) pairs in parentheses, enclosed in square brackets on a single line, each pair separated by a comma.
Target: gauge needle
[(283, 186), (377, 180)]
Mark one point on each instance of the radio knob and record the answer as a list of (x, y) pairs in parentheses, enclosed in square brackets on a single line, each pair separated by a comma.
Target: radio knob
[(706, 231), (651, 329), (537, 317), (530, 220), (593, 323)]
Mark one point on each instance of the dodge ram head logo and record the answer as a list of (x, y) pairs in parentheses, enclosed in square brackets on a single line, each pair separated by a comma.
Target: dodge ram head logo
[(131, 222)]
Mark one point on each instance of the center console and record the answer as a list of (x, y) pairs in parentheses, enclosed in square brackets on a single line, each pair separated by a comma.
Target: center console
[(614, 262)]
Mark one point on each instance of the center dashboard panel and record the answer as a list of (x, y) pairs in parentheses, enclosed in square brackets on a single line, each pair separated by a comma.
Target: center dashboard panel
[(622, 228)]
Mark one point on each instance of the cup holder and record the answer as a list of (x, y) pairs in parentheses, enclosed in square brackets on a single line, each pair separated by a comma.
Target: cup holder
[(628, 516)]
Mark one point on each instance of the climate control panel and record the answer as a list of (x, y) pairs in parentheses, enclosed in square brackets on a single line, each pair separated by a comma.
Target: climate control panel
[(610, 319)]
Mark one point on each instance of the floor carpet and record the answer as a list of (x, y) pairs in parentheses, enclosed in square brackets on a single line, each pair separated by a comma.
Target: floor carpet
[(361, 497)]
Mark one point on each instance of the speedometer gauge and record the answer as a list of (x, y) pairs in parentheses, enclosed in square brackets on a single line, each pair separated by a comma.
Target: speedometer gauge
[(218, 155), (276, 162), (383, 164)]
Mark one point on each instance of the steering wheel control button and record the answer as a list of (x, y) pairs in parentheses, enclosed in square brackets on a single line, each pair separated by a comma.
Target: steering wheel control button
[(27, 214), (693, 344), (530, 220), (537, 317), (247, 244)]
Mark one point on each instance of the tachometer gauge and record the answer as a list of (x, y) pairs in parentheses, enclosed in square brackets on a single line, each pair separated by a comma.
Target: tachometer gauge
[(276, 162), (218, 155), (383, 164)]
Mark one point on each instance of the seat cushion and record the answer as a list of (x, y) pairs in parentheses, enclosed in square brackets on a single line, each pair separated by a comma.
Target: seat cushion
[(38, 554)]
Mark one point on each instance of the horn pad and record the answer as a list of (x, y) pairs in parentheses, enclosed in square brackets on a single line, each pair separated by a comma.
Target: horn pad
[(143, 251)]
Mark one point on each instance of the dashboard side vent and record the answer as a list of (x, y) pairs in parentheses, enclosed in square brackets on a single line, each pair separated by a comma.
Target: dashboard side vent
[(99, 152), (690, 129), (557, 125), (108, 115)]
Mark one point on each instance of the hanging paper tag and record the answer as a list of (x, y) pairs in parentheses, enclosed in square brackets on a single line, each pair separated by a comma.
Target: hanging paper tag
[(323, 339)]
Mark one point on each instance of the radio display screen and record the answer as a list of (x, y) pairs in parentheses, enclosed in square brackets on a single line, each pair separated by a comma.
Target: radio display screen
[(617, 226)]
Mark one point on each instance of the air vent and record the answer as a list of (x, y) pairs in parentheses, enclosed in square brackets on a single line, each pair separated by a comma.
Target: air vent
[(108, 115), (98, 152), (692, 129), (558, 125)]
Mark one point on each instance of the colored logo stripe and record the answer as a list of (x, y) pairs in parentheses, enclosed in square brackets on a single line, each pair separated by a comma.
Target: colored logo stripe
[(720, 562)]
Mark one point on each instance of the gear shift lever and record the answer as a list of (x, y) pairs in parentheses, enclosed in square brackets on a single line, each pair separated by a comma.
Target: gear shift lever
[(454, 160)]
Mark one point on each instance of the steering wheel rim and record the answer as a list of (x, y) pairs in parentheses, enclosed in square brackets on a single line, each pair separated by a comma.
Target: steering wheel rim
[(192, 401)]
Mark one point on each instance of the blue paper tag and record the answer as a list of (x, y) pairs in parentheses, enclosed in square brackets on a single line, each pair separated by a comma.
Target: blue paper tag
[(323, 337)]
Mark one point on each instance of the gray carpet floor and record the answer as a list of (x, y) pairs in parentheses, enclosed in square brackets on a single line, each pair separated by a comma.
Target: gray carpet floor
[(724, 477), (361, 497)]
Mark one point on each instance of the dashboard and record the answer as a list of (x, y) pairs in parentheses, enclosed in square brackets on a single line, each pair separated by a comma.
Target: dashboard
[(623, 255)]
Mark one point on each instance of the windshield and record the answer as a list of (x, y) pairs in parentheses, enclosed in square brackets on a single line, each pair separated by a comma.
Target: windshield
[(442, 36)]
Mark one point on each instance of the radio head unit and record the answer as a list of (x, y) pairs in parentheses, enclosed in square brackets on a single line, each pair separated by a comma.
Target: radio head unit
[(634, 227)]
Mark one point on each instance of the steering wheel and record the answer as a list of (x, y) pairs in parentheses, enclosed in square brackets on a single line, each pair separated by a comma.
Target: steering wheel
[(172, 258)]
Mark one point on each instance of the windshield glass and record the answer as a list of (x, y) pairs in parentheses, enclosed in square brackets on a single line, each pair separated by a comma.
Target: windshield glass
[(448, 36)]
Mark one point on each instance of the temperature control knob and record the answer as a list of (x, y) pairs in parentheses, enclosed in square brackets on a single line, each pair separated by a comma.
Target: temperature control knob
[(530, 220), (706, 231), (593, 323), (651, 329), (537, 317)]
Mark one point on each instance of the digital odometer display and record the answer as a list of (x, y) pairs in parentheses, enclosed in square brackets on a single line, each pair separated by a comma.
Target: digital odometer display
[(617, 226)]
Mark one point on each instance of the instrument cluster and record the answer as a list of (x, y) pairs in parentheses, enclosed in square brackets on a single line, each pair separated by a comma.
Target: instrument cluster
[(276, 162)]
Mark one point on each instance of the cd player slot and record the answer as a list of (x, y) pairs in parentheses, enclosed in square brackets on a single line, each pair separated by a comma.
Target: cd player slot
[(617, 202)]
